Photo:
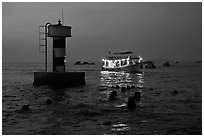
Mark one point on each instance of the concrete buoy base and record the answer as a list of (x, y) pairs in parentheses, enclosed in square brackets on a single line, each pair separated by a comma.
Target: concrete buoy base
[(49, 101), (107, 123), (59, 78), (137, 95), (113, 95), (175, 92), (131, 103), (123, 89), (128, 87), (25, 108)]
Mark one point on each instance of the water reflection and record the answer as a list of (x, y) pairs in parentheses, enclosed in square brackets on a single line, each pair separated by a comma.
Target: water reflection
[(121, 78), (120, 127), (121, 105)]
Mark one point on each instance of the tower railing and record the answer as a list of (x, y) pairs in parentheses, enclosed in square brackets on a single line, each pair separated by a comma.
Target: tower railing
[(43, 34)]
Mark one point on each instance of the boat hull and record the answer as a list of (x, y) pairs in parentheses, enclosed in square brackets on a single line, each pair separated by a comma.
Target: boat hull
[(130, 68)]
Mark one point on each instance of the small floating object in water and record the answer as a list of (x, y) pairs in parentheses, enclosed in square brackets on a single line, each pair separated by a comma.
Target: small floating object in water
[(123, 89), (137, 95), (131, 103), (49, 101), (175, 92), (25, 108), (107, 123), (113, 94), (151, 89), (128, 87)]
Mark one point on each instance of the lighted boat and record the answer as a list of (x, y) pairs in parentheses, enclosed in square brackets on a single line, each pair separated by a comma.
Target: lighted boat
[(123, 61)]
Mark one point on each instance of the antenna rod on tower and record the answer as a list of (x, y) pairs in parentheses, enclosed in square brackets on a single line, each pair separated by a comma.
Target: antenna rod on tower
[(62, 17)]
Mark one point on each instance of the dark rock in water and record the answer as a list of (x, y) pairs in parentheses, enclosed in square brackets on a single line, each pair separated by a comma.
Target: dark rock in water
[(107, 123), (149, 65), (150, 88), (117, 86), (83, 63), (131, 103), (25, 108), (175, 92), (166, 64), (113, 95), (137, 95), (78, 63), (92, 63), (128, 87), (49, 101), (123, 89), (198, 62)]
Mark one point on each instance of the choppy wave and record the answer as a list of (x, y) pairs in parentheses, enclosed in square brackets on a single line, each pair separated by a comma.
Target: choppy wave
[(88, 109)]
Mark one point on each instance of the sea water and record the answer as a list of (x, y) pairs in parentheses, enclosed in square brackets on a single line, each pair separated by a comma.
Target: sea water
[(85, 109)]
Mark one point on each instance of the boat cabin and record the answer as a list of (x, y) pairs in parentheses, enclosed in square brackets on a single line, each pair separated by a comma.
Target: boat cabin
[(118, 60)]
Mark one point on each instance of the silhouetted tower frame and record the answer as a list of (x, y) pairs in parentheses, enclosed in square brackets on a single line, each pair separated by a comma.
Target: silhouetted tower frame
[(44, 39), (59, 34)]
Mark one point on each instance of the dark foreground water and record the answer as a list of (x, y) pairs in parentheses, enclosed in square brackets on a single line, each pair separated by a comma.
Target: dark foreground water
[(83, 110)]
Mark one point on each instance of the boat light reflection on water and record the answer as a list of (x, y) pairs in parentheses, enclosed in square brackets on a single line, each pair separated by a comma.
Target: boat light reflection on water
[(121, 78)]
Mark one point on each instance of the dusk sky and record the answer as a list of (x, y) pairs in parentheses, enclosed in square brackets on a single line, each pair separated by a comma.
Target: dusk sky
[(171, 31)]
